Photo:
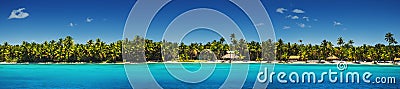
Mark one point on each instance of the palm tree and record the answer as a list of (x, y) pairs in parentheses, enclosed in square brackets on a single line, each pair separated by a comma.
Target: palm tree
[(389, 38), (233, 46), (52, 49), (301, 41), (351, 42), (89, 51), (340, 42), (325, 50), (69, 44), (252, 46), (350, 50), (267, 51), (279, 49), (221, 40), (6, 51), (221, 49)]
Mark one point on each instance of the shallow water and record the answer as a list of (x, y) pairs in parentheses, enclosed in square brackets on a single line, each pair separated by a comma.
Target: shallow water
[(114, 76)]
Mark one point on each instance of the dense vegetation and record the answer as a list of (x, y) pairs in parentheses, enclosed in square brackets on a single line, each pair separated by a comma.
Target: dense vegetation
[(65, 50)]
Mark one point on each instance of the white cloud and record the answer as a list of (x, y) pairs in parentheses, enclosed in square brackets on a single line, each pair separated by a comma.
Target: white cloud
[(289, 16), (298, 11), (306, 18), (88, 19), (295, 17), (18, 14), (72, 24), (302, 25), (335, 23), (286, 27), (315, 19), (281, 10)]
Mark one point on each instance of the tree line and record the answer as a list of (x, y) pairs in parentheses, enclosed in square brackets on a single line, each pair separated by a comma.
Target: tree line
[(66, 50), (62, 50), (345, 51)]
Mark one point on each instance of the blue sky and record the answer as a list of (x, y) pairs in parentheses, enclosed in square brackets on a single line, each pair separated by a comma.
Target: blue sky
[(364, 21), (51, 19)]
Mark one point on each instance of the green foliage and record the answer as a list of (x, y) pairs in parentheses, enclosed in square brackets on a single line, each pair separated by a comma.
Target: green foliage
[(65, 50)]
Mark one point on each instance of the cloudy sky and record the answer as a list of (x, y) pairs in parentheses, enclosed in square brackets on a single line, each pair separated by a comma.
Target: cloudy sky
[(364, 21)]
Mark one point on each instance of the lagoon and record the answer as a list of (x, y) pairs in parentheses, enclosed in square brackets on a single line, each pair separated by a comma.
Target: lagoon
[(106, 76)]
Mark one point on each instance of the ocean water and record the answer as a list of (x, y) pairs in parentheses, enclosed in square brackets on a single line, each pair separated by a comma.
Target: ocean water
[(110, 76), (63, 76)]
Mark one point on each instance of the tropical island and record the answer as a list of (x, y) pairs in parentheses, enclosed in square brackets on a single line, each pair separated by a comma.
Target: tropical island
[(65, 50)]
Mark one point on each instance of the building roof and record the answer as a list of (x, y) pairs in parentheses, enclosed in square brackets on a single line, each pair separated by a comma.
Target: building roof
[(231, 56), (332, 58), (294, 57)]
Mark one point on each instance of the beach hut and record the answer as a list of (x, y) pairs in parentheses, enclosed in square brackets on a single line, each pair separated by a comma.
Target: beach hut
[(231, 56), (333, 59), (294, 58), (396, 60)]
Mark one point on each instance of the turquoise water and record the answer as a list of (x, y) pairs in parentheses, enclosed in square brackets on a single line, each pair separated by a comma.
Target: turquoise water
[(63, 76), (113, 76)]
